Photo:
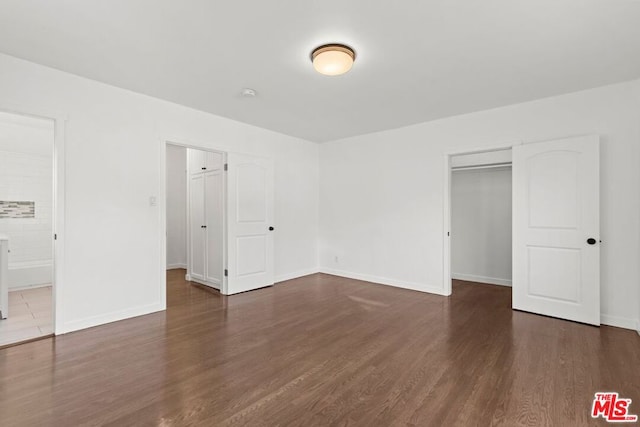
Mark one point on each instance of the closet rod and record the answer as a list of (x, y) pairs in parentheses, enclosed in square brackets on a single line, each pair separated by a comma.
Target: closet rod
[(487, 166)]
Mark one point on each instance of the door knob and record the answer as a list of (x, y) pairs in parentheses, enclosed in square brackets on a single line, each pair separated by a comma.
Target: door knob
[(591, 241), (271, 228)]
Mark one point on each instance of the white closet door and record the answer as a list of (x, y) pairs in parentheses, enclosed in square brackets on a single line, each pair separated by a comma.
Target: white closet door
[(250, 184), (556, 229), (196, 227), (197, 161), (214, 231), (213, 161)]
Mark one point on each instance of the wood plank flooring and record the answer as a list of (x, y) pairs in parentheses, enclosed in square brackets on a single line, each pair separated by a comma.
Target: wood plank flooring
[(322, 350)]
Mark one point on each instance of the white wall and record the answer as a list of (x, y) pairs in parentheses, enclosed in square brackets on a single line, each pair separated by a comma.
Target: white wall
[(381, 194), (26, 174), (114, 146), (176, 207), (636, 93), (481, 225)]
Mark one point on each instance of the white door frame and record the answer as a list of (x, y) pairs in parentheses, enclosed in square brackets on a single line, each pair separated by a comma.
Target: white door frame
[(58, 188), (446, 247), (162, 203)]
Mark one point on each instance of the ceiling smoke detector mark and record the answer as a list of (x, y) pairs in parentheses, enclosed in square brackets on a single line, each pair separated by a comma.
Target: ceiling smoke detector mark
[(248, 93)]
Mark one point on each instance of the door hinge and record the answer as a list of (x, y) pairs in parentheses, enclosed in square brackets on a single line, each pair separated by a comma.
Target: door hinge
[(226, 166), (55, 237), (448, 233), (226, 272)]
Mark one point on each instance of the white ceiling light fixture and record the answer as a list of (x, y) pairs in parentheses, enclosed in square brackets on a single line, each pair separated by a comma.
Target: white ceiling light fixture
[(333, 59)]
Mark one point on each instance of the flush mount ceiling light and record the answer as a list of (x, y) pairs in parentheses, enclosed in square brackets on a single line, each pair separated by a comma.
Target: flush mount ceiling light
[(333, 59)]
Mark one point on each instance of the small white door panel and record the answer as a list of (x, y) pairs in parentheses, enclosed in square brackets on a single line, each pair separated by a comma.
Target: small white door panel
[(250, 217), (251, 251), (213, 161), (554, 187), (197, 160), (556, 205)]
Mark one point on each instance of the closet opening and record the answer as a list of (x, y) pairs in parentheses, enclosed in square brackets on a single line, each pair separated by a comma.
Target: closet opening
[(195, 218), (480, 212)]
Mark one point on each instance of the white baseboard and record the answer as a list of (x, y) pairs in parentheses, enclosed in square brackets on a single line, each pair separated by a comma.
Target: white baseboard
[(176, 266), (301, 273), (386, 281), (27, 275), (26, 288), (618, 322), (101, 319), (481, 279)]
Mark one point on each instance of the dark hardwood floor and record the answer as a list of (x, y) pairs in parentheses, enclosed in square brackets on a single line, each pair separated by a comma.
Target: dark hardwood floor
[(322, 350)]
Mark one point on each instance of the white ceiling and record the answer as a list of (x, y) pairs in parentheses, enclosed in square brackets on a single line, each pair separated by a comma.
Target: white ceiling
[(418, 60)]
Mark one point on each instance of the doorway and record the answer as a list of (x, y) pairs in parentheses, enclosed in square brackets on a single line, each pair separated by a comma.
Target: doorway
[(238, 193), (555, 225), (27, 224), (195, 214), (481, 210), (481, 218)]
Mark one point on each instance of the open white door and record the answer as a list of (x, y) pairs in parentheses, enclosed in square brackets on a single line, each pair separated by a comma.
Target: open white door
[(249, 223), (556, 229)]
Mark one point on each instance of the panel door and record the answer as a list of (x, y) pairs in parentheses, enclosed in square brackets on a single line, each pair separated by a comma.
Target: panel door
[(196, 227), (197, 161), (250, 184), (556, 229), (214, 231), (213, 161)]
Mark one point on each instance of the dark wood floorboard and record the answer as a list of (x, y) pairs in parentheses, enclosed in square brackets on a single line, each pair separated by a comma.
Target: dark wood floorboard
[(322, 350)]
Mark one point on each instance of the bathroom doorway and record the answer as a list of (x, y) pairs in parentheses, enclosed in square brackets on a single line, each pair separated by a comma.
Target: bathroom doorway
[(27, 199)]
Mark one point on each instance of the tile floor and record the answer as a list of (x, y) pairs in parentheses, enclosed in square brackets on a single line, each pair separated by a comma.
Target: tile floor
[(30, 315)]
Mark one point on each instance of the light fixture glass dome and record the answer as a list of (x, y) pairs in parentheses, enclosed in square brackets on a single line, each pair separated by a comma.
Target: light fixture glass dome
[(333, 59)]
